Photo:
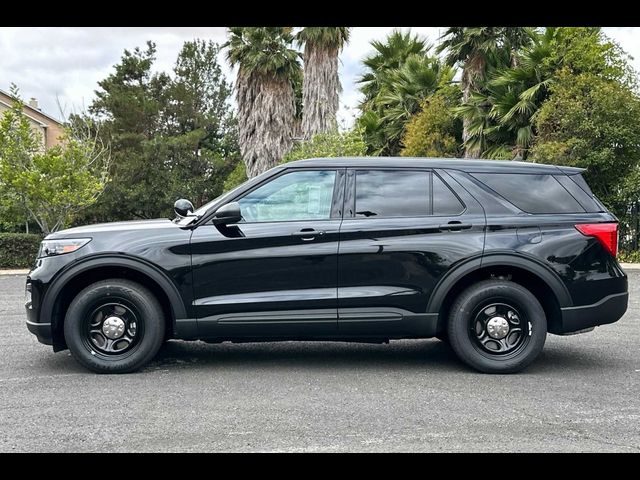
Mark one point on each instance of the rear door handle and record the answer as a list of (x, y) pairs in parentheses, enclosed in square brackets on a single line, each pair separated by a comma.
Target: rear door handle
[(307, 234), (455, 226)]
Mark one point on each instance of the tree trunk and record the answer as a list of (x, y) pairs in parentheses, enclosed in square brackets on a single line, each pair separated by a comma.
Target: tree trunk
[(468, 77), (266, 111), (320, 90), (466, 92)]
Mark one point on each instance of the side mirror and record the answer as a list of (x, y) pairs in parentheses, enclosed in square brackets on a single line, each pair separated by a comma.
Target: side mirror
[(226, 214), (183, 208)]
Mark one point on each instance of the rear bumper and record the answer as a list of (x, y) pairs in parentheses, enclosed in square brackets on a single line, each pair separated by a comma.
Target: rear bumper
[(608, 310)]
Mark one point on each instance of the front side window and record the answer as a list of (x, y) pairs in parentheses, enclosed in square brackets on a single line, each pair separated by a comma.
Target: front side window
[(392, 193), (301, 195)]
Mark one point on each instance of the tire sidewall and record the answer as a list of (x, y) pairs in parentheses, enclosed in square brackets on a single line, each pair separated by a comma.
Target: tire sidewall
[(147, 307), (468, 302)]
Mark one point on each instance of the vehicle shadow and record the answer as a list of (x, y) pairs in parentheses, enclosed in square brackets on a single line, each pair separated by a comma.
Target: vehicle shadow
[(424, 355), (337, 355)]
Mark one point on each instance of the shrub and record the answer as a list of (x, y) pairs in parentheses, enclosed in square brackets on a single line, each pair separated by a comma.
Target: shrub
[(237, 177), (432, 132), (18, 250), (632, 256), (329, 144)]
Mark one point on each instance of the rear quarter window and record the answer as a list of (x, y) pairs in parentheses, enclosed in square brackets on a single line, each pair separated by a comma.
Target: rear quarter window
[(531, 193)]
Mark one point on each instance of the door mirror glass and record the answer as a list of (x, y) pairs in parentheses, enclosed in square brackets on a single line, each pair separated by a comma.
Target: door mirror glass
[(183, 208), (227, 214)]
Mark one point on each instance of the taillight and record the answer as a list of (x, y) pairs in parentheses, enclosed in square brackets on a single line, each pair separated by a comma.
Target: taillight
[(606, 233)]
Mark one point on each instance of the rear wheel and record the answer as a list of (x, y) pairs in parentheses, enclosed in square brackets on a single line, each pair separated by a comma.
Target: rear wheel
[(114, 326), (497, 326)]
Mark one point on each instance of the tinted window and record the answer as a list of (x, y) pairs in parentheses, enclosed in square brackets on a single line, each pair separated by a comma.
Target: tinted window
[(586, 200), (382, 193), (302, 195), (532, 193), (445, 201)]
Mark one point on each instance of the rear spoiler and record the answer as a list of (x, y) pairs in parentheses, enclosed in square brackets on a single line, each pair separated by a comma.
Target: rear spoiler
[(570, 170)]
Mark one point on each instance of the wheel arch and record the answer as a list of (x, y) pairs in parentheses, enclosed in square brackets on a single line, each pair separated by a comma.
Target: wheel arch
[(72, 280), (538, 278)]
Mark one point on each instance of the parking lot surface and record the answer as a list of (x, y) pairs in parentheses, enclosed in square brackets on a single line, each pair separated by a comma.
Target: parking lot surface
[(582, 394)]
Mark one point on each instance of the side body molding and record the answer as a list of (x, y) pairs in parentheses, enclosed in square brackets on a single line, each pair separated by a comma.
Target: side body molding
[(511, 259)]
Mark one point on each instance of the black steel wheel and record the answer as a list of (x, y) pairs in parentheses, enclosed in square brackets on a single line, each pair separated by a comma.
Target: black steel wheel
[(114, 326), (497, 326)]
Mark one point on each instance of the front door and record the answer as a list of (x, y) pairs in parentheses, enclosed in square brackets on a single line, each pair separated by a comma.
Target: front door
[(274, 273), (402, 230)]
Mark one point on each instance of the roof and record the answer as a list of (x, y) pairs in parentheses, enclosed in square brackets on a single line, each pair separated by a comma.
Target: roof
[(464, 164), (30, 108)]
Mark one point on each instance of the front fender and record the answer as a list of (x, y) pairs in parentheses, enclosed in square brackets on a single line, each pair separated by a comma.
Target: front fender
[(111, 260)]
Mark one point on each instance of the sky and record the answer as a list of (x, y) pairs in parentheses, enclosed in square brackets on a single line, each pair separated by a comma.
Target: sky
[(60, 66)]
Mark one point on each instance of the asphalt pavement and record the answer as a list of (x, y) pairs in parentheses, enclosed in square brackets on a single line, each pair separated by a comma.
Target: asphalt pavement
[(581, 395)]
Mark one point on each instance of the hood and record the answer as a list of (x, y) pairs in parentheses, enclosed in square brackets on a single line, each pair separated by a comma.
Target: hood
[(89, 230)]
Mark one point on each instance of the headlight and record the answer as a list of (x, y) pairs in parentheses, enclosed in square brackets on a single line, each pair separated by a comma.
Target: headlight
[(49, 248)]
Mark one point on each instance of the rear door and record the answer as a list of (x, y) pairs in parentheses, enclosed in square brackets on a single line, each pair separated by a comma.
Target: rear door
[(403, 229)]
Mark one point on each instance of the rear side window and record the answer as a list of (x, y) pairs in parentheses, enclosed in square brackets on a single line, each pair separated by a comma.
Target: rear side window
[(532, 193), (445, 201), (579, 189), (386, 193)]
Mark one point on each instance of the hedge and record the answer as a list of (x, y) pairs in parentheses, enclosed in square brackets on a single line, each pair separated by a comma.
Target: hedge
[(18, 250)]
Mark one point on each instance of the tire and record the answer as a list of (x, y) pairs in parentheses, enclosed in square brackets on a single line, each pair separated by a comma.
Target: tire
[(114, 326), (482, 314)]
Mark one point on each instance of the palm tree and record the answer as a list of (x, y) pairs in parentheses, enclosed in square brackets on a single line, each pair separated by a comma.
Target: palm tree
[(389, 54), (471, 47), (265, 94), (321, 85), (402, 92), (500, 116)]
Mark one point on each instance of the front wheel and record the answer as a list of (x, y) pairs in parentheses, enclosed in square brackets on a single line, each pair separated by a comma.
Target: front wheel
[(114, 326), (497, 326)]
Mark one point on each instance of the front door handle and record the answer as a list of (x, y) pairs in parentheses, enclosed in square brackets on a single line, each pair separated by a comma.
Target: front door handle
[(307, 234), (455, 226)]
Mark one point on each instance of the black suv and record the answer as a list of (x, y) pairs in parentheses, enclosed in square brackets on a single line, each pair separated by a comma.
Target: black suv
[(486, 255)]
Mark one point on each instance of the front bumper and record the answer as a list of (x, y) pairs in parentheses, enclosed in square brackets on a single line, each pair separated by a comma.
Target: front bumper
[(42, 331), (608, 310)]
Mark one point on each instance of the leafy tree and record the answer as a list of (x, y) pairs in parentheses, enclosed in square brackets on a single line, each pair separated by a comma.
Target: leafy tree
[(171, 136), (329, 144), (321, 88), (265, 93), (237, 177), (501, 112), (434, 131), (50, 185), (200, 130), (472, 47), (592, 122)]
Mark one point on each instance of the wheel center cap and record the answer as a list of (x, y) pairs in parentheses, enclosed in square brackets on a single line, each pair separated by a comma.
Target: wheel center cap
[(497, 327), (113, 327)]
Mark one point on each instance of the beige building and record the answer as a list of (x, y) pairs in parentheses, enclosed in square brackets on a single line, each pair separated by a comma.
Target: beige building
[(47, 127)]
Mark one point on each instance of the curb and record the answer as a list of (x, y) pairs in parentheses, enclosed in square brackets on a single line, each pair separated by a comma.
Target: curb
[(630, 266), (22, 271)]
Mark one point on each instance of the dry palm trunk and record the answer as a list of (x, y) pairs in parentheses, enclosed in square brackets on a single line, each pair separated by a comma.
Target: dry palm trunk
[(266, 110), (321, 89), (472, 72)]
